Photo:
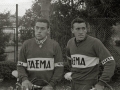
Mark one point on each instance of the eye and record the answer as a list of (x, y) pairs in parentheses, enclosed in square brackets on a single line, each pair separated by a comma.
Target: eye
[(83, 28), (42, 28), (77, 28), (37, 27)]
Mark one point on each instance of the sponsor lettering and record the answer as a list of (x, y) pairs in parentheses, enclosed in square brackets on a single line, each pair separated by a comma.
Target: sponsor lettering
[(36, 64), (78, 61), (107, 59)]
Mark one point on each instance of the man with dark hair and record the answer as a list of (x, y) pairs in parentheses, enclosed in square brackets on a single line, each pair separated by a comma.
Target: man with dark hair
[(85, 53), (41, 58)]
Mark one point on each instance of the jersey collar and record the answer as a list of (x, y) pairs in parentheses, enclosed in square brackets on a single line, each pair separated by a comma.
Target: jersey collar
[(40, 41)]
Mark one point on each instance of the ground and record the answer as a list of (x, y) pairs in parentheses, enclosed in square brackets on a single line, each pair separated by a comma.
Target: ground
[(7, 83)]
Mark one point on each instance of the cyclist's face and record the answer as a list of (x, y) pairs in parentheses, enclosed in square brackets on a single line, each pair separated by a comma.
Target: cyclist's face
[(41, 30), (79, 30)]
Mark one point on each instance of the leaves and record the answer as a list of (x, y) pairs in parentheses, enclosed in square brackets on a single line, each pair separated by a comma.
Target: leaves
[(4, 38)]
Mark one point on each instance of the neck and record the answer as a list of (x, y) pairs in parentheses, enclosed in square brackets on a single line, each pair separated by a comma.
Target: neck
[(41, 39), (81, 40)]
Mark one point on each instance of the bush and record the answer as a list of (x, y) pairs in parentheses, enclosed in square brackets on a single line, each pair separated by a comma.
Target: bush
[(4, 38), (6, 68), (26, 35), (117, 42)]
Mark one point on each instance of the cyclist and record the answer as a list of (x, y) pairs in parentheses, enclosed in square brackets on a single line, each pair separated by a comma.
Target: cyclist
[(40, 57), (85, 53)]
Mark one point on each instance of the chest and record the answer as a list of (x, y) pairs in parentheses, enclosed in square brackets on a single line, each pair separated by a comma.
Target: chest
[(34, 51), (83, 49)]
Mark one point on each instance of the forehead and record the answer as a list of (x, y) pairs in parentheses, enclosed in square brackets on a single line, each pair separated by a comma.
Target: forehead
[(79, 25), (41, 24)]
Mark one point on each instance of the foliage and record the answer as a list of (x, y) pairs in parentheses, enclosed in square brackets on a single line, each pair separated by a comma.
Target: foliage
[(31, 15), (4, 38), (4, 19), (3, 44), (103, 8), (117, 43), (27, 35), (6, 68), (29, 19)]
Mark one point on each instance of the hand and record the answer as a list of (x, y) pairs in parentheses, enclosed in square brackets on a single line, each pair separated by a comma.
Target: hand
[(48, 87), (26, 85), (99, 87), (68, 76)]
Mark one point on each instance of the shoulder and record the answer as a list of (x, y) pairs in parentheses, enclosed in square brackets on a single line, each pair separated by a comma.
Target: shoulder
[(52, 41), (94, 40), (71, 40), (96, 43)]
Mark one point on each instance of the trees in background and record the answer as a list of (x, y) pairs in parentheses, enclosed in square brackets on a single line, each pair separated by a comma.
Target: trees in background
[(28, 20), (103, 14), (31, 15), (4, 38)]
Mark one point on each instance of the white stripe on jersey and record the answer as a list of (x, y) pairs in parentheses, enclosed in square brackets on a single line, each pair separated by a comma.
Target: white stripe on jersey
[(40, 64), (59, 64), (107, 59), (83, 61), (21, 64)]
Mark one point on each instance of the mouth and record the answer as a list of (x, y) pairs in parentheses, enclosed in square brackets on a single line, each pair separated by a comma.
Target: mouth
[(80, 35), (38, 35)]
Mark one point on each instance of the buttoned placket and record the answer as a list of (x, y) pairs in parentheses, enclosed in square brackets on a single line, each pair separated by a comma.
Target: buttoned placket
[(40, 43)]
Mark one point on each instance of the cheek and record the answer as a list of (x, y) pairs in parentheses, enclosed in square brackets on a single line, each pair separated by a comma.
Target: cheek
[(44, 33), (36, 31)]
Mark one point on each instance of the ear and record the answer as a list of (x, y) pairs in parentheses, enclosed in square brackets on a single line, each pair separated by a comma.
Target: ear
[(72, 30), (48, 31)]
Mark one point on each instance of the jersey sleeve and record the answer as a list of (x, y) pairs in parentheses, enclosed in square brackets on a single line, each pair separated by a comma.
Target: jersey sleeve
[(107, 61), (22, 63), (58, 71)]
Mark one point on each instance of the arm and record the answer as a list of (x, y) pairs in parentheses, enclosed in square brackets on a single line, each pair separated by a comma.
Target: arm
[(22, 68), (58, 70), (22, 64), (107, 61)]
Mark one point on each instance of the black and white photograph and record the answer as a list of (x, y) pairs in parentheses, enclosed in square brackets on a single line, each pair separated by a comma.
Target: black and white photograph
[(60, 45)]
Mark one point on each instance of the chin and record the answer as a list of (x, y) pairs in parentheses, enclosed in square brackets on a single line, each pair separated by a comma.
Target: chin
[(81, 39), (38, 38)]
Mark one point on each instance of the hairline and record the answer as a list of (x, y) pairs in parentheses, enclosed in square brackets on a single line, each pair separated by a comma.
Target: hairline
[(78, 20), (43, 21)]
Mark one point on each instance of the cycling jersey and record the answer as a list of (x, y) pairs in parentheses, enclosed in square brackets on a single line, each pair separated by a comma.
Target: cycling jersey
[(86, 57), (40, 62)]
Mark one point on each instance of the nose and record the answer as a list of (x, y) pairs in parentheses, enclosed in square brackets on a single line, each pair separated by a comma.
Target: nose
[(39, 30), (80, 31)]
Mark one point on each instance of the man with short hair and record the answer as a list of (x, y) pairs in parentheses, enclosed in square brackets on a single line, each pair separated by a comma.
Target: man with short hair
[(41, 58), (85, 53)]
